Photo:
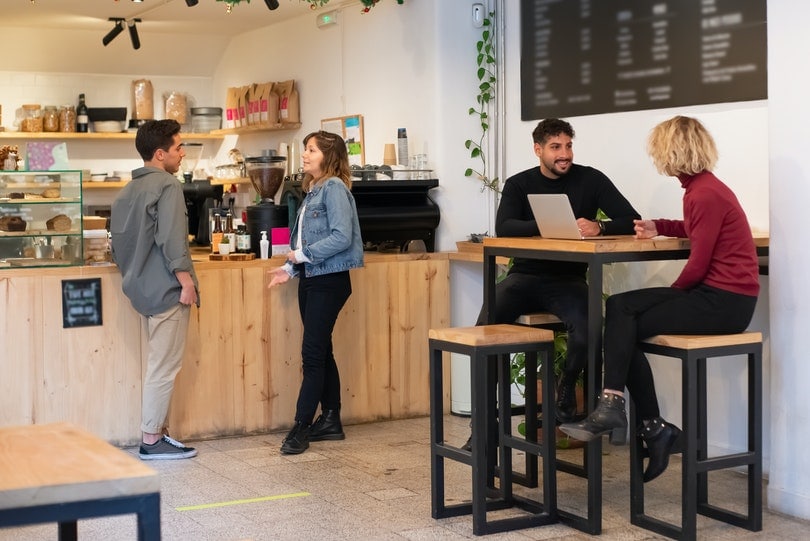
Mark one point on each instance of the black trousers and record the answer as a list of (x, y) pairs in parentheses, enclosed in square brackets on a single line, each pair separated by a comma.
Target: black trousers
[(564, 296), (320, 299), (635, 315)]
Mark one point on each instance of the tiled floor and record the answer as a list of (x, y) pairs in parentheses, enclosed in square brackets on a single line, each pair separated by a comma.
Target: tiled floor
[(375, 485)]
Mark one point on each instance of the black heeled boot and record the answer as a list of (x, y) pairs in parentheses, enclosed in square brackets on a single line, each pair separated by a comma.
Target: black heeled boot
[(662, 439), (297, 440), (327, 427), (609, 416), (566, 401)]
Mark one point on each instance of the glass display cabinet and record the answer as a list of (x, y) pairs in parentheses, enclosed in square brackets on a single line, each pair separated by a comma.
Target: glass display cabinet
[(40, 218)]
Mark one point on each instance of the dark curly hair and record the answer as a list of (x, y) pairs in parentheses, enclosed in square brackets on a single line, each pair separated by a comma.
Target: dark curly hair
[(155, 134), (551, 127)]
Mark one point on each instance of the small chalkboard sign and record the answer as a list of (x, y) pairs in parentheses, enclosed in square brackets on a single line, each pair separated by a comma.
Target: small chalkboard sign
[(81, 303)]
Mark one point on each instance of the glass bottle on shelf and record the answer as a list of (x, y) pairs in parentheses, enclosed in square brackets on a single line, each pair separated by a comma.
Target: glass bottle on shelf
[(82, 120), (216, 234), (229, 231)]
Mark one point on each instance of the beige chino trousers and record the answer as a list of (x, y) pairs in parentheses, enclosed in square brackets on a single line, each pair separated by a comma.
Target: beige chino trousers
[(167, 343)]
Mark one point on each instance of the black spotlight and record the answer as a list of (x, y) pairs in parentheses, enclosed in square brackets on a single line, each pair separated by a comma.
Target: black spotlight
[(112, 34), (271, 4), (133, 34), (191, 3)]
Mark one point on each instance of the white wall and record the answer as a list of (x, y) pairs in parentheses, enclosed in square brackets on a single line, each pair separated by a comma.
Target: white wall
[(788, 39)]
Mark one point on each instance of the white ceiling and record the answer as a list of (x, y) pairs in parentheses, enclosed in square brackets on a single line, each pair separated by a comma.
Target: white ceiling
[(208, 17)]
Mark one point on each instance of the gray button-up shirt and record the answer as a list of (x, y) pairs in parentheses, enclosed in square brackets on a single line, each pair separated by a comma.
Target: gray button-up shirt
[(149, 229)]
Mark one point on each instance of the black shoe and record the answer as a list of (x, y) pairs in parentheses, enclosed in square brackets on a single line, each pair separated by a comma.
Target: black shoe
[(297, 440), (327, 427), (609, 416), (662, 439), (566, 402), (467, 445)]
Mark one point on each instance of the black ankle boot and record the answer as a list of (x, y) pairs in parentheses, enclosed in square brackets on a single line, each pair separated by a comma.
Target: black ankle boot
[(327, 427), (609, 416), (566, 401), (297, 440), (662, 439)]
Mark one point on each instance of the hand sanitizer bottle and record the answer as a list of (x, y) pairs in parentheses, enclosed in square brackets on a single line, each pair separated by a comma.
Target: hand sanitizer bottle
[(264, 245)]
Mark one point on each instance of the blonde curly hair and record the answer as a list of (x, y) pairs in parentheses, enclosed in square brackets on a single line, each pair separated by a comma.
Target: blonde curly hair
[(681, 145)]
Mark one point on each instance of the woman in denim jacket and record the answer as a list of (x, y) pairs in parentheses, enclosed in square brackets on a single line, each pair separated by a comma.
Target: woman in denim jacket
[(325, 241)]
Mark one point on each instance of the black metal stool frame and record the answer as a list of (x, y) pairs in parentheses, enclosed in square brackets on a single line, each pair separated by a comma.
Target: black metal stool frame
[(695, 461), (485, 497)]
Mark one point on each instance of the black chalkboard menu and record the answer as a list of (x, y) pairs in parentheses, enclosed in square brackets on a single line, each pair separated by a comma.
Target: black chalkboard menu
[(582, 57), (81, 302)]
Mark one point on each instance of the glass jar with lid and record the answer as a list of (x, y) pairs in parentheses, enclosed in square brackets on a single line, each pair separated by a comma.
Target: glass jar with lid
[(32, 118), (67, 118), (50, 119)]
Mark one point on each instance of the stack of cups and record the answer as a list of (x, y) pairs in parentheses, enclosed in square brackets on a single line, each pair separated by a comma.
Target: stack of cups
[(390, 154)]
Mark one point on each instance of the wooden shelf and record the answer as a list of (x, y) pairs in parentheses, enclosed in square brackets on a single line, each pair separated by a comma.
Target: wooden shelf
[(92, 136), (256, 129), (96, 136), (90, 185)]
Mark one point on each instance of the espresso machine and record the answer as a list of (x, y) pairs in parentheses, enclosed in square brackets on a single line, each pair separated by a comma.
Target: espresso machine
[(199, 194), (266, 174)]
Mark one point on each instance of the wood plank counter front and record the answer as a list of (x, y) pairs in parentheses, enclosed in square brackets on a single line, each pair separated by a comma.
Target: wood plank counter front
[(242, 368)]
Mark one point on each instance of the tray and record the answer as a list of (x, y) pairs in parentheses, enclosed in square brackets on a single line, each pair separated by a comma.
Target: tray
[(232, 257)]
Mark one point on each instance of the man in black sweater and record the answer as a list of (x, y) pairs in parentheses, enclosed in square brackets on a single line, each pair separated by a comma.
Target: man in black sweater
[(557, 287)]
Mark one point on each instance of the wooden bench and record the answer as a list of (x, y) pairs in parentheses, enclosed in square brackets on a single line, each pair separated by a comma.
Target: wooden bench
[(693, 351), (60, 473), (492, 441)]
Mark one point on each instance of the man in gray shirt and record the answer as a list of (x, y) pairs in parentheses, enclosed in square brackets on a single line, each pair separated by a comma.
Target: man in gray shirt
[(150, 246)]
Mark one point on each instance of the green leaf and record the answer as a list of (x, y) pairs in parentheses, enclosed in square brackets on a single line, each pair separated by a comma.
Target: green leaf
[(468, 172), (475, 152)]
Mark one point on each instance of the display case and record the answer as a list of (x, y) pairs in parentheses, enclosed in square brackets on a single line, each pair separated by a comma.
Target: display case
[(40, 218)]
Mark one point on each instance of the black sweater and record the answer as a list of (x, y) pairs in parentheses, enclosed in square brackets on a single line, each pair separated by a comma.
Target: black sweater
[(588, 190)]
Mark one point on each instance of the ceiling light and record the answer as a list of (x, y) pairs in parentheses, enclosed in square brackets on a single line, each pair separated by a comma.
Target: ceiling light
[(138, 2), (133, 34), (191, 3), (112, 34), (271, 4)]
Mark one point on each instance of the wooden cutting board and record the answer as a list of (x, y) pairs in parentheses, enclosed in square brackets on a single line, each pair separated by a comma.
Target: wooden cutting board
[(232, 257)]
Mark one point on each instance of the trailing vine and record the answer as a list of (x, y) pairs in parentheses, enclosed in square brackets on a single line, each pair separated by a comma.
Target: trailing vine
[(486, 61)]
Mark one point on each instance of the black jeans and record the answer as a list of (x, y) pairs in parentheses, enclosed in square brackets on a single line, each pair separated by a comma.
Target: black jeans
[(320, 299), (635, 315), (564, 296)]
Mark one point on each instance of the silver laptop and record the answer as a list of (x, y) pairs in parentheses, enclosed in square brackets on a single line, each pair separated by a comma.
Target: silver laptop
[(555, 219)]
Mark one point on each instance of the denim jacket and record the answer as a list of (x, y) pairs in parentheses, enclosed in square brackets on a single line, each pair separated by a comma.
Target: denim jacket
[(330, 229)]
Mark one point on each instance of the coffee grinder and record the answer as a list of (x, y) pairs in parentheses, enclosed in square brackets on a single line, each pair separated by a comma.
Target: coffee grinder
[(266, 174), (199, 194)]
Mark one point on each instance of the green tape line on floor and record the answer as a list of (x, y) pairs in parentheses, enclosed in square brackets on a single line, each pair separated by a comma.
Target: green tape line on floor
[(239, 502)]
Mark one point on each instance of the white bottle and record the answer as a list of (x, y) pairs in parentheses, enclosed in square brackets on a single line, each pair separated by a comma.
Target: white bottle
[(264, 245)]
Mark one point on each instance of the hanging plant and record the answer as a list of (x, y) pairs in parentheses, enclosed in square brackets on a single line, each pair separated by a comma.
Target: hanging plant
[(231, 3), (487, 81)]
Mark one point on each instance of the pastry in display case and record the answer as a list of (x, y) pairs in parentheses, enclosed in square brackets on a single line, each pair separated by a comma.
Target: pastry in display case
[(40, 218)]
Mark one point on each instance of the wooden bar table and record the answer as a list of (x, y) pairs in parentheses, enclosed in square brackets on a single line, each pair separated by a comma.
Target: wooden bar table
[(596, 253), (60, 473)]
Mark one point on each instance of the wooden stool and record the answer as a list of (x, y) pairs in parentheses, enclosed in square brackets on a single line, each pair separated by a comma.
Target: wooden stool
[(693, 352), (540, 319), (483, 344), (60, 473)]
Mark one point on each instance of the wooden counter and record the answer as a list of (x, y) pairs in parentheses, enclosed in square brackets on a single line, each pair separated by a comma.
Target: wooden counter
[(243, 367)]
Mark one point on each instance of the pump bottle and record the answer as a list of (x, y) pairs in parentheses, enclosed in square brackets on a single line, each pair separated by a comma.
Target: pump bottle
[(264, 246)]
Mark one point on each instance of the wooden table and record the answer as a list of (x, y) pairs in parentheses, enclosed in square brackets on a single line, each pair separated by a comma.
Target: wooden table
[(60, 473), (595, 253)]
